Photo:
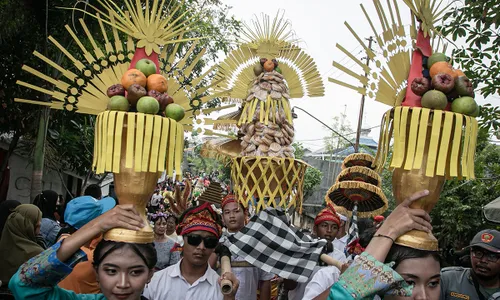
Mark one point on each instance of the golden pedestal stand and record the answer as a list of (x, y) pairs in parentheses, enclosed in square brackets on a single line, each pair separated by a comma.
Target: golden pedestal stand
[(430, 146), (137, 148)]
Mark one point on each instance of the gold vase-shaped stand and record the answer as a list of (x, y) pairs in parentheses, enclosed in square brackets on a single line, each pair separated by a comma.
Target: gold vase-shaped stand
[(135, 188), (407, 182)]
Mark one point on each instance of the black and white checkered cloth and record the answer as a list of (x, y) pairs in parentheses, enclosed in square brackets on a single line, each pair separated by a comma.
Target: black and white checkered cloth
[(269, 243)]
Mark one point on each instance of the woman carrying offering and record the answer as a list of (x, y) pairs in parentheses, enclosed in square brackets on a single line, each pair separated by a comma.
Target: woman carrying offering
[(123, 269), (368, 275)]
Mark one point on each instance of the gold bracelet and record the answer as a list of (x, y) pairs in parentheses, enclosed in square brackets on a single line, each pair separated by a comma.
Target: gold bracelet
[(384, 236)]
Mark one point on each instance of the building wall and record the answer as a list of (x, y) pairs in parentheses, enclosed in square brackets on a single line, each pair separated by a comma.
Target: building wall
[(20, 180), (330, 172)]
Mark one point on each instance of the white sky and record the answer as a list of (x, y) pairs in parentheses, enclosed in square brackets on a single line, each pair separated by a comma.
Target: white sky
[(320, 25)]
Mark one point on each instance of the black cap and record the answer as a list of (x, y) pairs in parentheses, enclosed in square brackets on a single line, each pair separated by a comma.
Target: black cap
[(488, 239)]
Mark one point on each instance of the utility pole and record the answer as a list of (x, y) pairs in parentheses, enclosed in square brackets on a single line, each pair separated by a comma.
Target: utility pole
[(362, 105)]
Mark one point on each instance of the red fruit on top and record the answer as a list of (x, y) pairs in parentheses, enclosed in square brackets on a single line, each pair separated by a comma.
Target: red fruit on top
[(115, 90), (420, 86), (443, 82)]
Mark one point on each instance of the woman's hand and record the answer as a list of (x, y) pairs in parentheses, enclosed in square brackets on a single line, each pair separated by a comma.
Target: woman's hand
[(123, 216), (400, 221), (403, 218)]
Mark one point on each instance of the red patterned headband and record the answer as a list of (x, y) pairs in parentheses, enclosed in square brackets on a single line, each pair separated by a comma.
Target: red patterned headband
[(201, 218), (327, 214)]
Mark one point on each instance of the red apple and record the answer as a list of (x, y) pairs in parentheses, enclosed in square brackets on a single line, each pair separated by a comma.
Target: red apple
[(116, 90), (443, 82), (420, 86)]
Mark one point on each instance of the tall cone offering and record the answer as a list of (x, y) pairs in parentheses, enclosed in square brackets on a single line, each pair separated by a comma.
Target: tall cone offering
[(266, 170), (430, 142)]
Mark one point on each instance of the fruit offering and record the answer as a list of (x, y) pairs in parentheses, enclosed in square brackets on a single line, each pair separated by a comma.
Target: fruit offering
[(143, 90), (442, 84)]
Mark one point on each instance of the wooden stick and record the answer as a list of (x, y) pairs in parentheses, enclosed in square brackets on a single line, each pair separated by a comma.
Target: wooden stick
[(226, 284), (331, 261)]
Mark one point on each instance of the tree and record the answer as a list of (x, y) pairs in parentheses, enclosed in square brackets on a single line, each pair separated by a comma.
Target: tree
[(312, 177), (299, 150), (477, 23), (333, 141)]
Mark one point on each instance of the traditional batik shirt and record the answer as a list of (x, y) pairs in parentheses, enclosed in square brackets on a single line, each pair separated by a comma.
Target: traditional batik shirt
[(39, 276), (367, 277)]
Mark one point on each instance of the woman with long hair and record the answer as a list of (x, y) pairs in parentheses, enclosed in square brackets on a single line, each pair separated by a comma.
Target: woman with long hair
[(123, 269)]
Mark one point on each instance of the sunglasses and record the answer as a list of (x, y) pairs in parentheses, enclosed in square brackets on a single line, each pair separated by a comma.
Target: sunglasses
[(209, 242)]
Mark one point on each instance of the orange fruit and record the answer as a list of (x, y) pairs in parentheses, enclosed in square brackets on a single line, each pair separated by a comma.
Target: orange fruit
[(459, 73), (442, 67), (133, 76), (157, 82), (269, 65)]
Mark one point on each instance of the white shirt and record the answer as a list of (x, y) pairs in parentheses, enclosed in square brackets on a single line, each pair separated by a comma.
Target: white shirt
[(249, 277), (341, 243), (321, 281), (298, 292), (169, 284)]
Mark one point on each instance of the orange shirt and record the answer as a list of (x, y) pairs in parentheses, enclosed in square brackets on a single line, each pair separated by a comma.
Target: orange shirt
[(83, 280)]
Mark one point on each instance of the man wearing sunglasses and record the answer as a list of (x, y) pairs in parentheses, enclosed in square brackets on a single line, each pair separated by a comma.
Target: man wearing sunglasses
[(482, 281), (192, 277), (251, 278)]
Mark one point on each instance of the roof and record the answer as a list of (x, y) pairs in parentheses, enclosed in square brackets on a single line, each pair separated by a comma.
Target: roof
[(364, 142)]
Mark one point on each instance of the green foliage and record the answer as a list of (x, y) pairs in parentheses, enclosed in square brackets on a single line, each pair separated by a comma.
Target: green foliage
[(312, 178), (199, 165), (333, 141), (299, 150), (477, 24)]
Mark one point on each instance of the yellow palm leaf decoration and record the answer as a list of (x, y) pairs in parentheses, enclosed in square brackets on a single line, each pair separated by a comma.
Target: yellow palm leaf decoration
[(152, 27), (387, 76), (82, 87), (270, 38), (442, 143)]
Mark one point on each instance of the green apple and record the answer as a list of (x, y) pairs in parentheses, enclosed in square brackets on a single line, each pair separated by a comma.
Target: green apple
[(119, 103), (146, 66), (174, 111), (476, 113), (434, 99), (148, 105), (465, 105)]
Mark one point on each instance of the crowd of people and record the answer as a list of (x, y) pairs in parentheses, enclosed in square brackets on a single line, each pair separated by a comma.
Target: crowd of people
[(49, 250)]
